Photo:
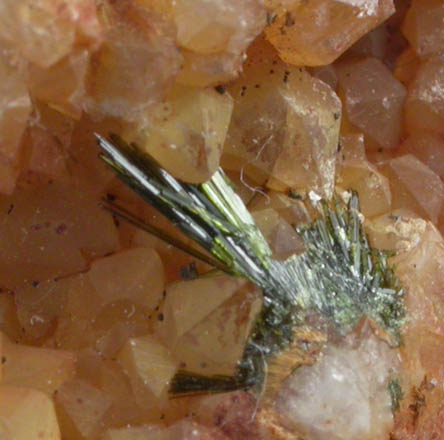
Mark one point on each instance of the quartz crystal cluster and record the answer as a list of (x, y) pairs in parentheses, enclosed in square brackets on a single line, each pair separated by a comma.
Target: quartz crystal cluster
[(297, 101)]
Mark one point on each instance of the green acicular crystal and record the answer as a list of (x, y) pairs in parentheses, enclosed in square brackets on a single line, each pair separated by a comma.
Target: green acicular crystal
[(339, 275)]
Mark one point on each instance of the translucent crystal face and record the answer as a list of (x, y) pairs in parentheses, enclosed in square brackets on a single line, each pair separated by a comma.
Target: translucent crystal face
[(334, 27), (344, 395), (373, 100)]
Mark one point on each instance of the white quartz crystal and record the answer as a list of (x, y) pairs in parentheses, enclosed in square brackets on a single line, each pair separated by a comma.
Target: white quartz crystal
[(344, 396)]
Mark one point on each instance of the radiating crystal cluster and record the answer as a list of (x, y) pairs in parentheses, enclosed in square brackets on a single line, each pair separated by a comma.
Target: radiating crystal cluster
[(297, 100)]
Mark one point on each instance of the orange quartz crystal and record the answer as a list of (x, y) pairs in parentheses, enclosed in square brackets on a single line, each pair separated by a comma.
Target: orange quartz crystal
[(334, 27), (45, 31), (373, 95), (215, 35), (424, 108), (14, 112), (423, 26)]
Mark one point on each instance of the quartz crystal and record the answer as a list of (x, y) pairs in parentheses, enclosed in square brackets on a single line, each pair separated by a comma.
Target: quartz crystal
[(204, 70), (44, 31), (285, 123), (351, 148), (428, 148), (424, 107), (26, 414), (374, 44), (334, 26), (372, 186), (373, 100), (62, 86), (184, 430), (406, 66), (282, 237), (189, 302), (411, 180), (129, 275), (58, 223), (187, 132), (15, 108), (308, 153), (150, 367), (75, 322), (136, 64), (423, 26), (215, 26), (216, 343), (232, 413), (81, 408), (38, 368), (343, 396), (47, 155), (420, 268), (215, 35)]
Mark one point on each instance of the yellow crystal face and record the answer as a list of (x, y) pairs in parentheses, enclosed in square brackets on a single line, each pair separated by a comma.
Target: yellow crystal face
[(285, 125), (18, 404), (186, 133), (334, 26)]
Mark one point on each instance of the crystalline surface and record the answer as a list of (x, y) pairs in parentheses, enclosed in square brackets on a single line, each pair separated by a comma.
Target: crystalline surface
[(334, 27), (215, 35), (372, 187), (135, 274), (421, 182), (188, 302), (118, 80), (38, 368), (83, 408), (232, 413), (284, 122), (188, 131), (308, 154), (214, 26), (343, 396), (428, 148), (420, 268), (57, 222), (406, 66), (96, 316), (47, 155), (215, 344), (63, 84), (27, 414), (15, 107), (185, 430), (373, 100), (44, 31), (423, 26), (149, 366), (425, 100), (203, 70)]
